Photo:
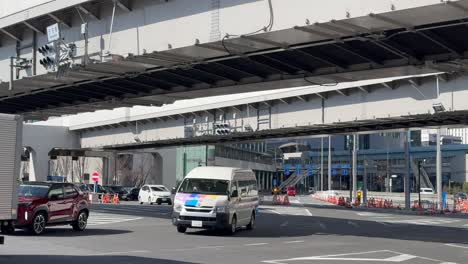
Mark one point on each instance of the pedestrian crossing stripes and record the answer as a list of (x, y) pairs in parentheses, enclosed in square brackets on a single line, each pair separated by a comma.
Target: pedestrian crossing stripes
[(422, 221), (104, 219), (294, 211), (397, 219)]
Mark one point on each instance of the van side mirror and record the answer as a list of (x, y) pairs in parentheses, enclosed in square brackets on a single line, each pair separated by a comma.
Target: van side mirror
[(234, 194), (173, 190)]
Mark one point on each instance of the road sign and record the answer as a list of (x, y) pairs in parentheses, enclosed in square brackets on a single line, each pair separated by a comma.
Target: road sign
[(53, 32), (298, 169), (286, 168), (95, 176)]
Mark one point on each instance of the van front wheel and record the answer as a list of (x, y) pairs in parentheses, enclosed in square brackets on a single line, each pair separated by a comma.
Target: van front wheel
[(251, 225), (233, 227)]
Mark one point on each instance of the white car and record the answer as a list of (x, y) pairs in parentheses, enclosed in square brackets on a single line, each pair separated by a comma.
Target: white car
[(427, 191), (154, 194)]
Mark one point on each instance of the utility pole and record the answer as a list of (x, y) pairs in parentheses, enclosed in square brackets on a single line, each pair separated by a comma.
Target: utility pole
[(439, 171), (329, 164)]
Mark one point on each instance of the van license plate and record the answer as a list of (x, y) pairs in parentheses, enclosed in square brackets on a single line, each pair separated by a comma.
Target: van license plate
[(164, 199), (197, 224)]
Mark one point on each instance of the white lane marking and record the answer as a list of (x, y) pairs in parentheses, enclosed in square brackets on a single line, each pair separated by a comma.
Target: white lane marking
[(256, 244), (209, 247), (308, 212), (274, 211), (118, 253), (457, 246), (465, 225), (399, 258), (353, 224), (284, 224), (102, 219), (383, 223), (294, 242)]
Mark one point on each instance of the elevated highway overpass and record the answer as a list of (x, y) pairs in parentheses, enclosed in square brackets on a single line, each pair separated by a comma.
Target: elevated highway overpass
[(347, 108), (302, 45)]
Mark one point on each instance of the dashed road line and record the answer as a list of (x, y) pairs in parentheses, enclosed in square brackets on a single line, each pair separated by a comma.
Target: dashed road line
[(284, 224), (457, 246), (294, 242), (255, 244), (353, 224)]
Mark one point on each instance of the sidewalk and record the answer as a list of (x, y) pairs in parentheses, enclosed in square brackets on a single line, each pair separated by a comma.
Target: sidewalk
[(309, 201)]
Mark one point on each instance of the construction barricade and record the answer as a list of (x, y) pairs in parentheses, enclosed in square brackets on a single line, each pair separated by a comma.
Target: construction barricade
[(115, 199)]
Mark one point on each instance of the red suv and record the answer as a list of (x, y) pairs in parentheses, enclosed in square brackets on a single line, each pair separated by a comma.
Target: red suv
[(44, 203)]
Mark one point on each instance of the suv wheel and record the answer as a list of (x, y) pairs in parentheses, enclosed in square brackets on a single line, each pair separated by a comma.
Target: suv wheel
[(38, 224), (139, 200), (81, 221)]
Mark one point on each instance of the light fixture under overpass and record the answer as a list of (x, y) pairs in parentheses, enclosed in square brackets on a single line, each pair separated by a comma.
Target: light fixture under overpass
[(438, 107)]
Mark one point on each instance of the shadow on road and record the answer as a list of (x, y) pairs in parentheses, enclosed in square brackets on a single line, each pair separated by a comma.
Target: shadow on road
[(48, 259), (374, 210), (67, 232), (155, 211), (274, 225)]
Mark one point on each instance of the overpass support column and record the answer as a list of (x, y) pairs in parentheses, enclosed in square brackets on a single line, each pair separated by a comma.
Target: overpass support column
[(354, 167), (329, 163), (439, 171), (321, 164), (407, 171)]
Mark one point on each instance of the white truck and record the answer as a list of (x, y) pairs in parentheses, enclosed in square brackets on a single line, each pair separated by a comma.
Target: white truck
[(11, 131)]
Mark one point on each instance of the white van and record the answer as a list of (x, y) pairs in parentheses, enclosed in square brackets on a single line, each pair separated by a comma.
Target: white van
[(216, 198)]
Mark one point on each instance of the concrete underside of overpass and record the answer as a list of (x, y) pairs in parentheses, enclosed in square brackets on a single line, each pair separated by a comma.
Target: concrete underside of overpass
[(338, 48)]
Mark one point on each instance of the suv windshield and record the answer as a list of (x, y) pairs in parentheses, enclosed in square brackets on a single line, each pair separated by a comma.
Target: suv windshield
[(33, 191), (204, 186), (159, 189)]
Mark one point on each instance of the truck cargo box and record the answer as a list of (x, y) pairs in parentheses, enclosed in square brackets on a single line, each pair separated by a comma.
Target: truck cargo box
[(10, 160)]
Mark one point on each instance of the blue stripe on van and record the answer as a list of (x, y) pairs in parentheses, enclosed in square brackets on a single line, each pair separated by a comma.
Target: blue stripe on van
[(191, 203)]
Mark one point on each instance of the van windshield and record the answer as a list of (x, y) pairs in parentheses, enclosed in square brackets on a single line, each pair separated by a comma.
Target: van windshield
[(204, 186)]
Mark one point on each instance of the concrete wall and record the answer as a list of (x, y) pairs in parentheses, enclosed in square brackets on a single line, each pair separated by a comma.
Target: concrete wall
[(42, 139)]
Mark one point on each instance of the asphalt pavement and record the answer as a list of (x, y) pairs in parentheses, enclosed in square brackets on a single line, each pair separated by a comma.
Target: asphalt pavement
[(296, 234)]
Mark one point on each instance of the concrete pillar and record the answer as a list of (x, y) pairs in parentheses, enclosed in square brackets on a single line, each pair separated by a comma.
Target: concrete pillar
[(321, 164), (329, 164), (354, 167), (407, 171), (108, 169), (439, 171), (364, 186)]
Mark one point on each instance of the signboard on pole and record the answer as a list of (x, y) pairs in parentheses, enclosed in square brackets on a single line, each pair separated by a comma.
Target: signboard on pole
[(53, 32), (95, 176), (286, 168)]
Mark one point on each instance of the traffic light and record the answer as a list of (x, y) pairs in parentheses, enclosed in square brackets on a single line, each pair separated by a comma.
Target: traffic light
[(222, 129), (49, 53)]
